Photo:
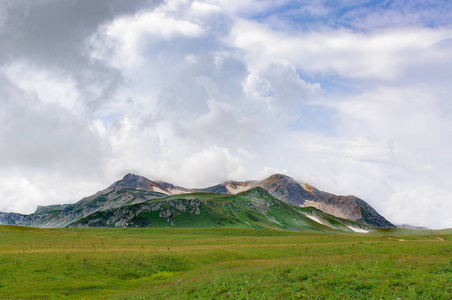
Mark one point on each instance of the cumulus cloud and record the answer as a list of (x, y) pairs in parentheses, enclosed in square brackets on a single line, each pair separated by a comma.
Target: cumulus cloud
[(211, 166), (133, 34), (44, 85), (352, 98)]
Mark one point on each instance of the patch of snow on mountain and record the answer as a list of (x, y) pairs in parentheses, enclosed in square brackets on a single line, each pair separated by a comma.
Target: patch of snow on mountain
[(356, 229), (159, 190), (317, 220), (176, 192), (274, 220), (238, 189)]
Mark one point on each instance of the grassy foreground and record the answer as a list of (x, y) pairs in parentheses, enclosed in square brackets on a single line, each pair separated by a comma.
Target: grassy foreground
[(154, 263)]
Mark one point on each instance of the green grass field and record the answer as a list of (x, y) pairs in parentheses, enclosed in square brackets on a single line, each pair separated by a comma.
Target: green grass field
[(152, 263)]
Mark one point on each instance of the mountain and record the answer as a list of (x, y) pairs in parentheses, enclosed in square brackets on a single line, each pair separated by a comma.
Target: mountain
[(254, 208), (138, 201), (408, 226), (302, 194), (121, 193)]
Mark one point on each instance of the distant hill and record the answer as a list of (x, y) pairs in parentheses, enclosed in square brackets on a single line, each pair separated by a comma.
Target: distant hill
[(408, 226), (277, 202)]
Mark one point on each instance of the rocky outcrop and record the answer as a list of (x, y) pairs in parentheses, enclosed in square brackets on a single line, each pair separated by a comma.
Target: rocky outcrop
[(15, 219), (124, 216)]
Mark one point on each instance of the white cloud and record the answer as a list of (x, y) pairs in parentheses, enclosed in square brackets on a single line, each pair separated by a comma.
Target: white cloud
[(211, 166), (422, 202), (24, 192), (280, 80), (344, 52), (17, 193), (128, 33), (48, 86), (197, 92), (268, 171), (204, 8), (246, 6)]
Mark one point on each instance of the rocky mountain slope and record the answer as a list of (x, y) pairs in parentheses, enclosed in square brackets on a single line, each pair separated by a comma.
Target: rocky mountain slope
[(138, 201)]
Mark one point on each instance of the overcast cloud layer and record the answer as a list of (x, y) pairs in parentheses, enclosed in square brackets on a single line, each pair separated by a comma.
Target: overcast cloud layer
[(353, 98)]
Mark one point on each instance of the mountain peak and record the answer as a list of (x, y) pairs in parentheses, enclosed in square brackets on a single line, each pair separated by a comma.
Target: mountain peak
[(131, 176), (279, 175), (134, 182), (285, 188), (279, 178)]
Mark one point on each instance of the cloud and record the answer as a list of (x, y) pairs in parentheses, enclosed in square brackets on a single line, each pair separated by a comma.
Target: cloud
[(17, 193), (129, 32), (352, 98), (44, 135), (343, 52), (52, 35), (44, 85), (417, 200), (211, 166)]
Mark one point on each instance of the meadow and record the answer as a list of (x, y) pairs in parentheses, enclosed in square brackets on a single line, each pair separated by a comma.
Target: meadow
[(168, 263)]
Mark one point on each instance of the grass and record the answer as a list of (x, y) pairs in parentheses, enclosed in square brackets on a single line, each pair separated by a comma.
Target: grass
[(222, 263)]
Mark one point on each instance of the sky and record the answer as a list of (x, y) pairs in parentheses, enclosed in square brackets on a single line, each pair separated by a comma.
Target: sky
[(350, 96)]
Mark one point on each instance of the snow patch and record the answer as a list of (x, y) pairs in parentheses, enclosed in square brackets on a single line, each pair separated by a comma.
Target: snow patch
[(238, 189), (356, 229), (159, 190), (272, 219), (314, 219), (318, 220), (176, 192)]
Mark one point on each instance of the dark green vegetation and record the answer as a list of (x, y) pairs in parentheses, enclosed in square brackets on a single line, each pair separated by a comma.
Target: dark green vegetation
[(222, 263)]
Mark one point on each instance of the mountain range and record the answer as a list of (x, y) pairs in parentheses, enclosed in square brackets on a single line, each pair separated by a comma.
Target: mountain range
[(277, 202)]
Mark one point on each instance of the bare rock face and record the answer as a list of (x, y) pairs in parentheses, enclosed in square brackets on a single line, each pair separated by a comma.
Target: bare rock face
[(351, 208), (14, 219), (133, 181), (285, 188)]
